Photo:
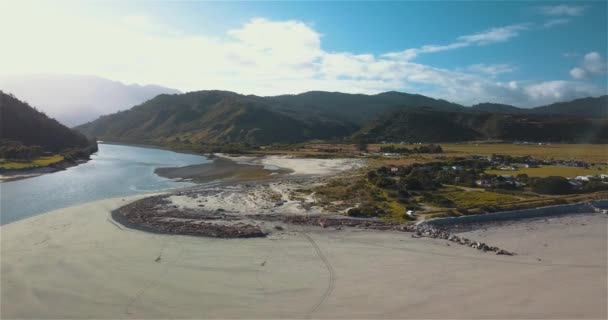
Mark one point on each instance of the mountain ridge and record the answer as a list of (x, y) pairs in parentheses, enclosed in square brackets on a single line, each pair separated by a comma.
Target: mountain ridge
[(220, 117)]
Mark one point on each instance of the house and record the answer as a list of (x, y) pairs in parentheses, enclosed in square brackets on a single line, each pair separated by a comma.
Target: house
[(457, 168), (483, 183), (394, 169)]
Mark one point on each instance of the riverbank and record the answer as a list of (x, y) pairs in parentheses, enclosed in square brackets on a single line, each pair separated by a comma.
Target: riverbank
[(19, 174), (77, 263)]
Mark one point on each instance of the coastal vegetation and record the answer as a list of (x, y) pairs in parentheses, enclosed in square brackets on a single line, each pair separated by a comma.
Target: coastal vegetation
[(27, 164), (454, 186)]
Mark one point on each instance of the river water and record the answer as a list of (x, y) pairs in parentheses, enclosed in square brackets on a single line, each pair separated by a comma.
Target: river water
[(114, 171)]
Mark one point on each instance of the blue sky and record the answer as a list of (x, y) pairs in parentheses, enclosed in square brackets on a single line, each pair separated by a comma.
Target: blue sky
[(523, 53)]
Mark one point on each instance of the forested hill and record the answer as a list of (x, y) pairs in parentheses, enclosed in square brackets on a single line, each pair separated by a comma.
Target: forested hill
[(214, 117), (22, 124), (428, 125), (222, 117), (356, 108)]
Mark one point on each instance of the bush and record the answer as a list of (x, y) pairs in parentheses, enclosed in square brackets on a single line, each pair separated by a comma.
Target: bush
[(366, 211), (438, 200), (552, 185)]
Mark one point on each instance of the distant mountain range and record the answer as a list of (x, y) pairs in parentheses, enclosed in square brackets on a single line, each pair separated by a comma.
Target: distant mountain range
[(422, 124), (585, 107), (22, 126), (216, 117), (76, 99)]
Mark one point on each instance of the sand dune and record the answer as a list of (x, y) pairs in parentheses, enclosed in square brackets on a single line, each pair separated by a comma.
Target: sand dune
[(76, 263)]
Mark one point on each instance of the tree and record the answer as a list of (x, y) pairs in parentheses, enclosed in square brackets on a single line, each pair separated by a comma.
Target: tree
[(552, 185)]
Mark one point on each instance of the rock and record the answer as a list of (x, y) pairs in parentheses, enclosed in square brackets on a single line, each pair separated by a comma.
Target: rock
[(503, 252), (278, 228)]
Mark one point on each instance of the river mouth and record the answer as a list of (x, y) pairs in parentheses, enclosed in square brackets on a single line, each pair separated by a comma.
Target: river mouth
[(114, 171)]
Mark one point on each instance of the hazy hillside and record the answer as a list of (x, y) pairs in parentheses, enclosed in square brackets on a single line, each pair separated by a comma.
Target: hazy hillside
[(427, 125), (212, 117), (584, 107), (591, 107), (216, 117), (76, 99), (21, 123)]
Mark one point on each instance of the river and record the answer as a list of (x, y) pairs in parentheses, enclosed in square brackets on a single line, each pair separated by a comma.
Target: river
[(114, 171)]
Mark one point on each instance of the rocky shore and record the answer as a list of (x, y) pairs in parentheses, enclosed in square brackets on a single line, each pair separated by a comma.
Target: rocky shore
[(159, 214)]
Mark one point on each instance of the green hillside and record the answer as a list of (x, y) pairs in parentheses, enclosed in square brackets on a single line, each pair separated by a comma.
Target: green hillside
[(213, 117), (26, 132), (428, 125), (222, 117)]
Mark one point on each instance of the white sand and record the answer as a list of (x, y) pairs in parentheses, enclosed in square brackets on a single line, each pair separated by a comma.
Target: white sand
[(262, 198), (300, 166), (74, 263), (306, 166)]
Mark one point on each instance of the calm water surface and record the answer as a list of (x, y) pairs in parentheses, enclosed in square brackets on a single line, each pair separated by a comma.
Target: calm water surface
[(114, 171)]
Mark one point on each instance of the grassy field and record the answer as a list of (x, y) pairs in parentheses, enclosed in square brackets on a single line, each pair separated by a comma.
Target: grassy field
[(466, 199), (40, 162), (593, 153), (545, 171)]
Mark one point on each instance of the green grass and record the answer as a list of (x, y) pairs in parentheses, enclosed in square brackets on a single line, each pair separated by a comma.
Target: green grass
[(582, 152), (339, 195), (40, 162), (467, 199), (563, 171)]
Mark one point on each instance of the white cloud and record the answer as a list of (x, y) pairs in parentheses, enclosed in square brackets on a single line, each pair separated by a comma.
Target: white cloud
[(578, 73), (491, 69), (555, 22), (262, 57), (563, 10), (550, 91), (594, 62), (490, 36), (494, 35)]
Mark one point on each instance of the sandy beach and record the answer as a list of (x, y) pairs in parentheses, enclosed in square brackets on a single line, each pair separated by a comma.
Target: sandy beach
[(78, 263)]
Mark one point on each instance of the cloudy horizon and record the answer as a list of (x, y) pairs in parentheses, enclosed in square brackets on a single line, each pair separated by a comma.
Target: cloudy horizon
[(285, 52)]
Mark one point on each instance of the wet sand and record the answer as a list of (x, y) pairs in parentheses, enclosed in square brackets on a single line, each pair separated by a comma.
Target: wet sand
[(78, 263), (220, 169)]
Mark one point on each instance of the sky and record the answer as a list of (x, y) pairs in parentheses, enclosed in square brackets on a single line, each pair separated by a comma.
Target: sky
[(518, 52)]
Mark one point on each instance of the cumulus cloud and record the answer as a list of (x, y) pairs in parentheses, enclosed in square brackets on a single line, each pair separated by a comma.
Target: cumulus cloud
[(261, 56), (578, 73), (592, 64), (558, 90), (563, 10)]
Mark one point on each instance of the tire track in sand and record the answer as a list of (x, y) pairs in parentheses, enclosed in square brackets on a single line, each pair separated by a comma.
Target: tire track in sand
[(332, 277)]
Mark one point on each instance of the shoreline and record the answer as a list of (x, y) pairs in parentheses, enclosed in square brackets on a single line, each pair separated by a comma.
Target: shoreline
[(116, 272), (20, 174)]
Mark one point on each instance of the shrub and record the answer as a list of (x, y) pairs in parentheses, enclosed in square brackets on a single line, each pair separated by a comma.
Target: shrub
[(552, 185), (366, 211)]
